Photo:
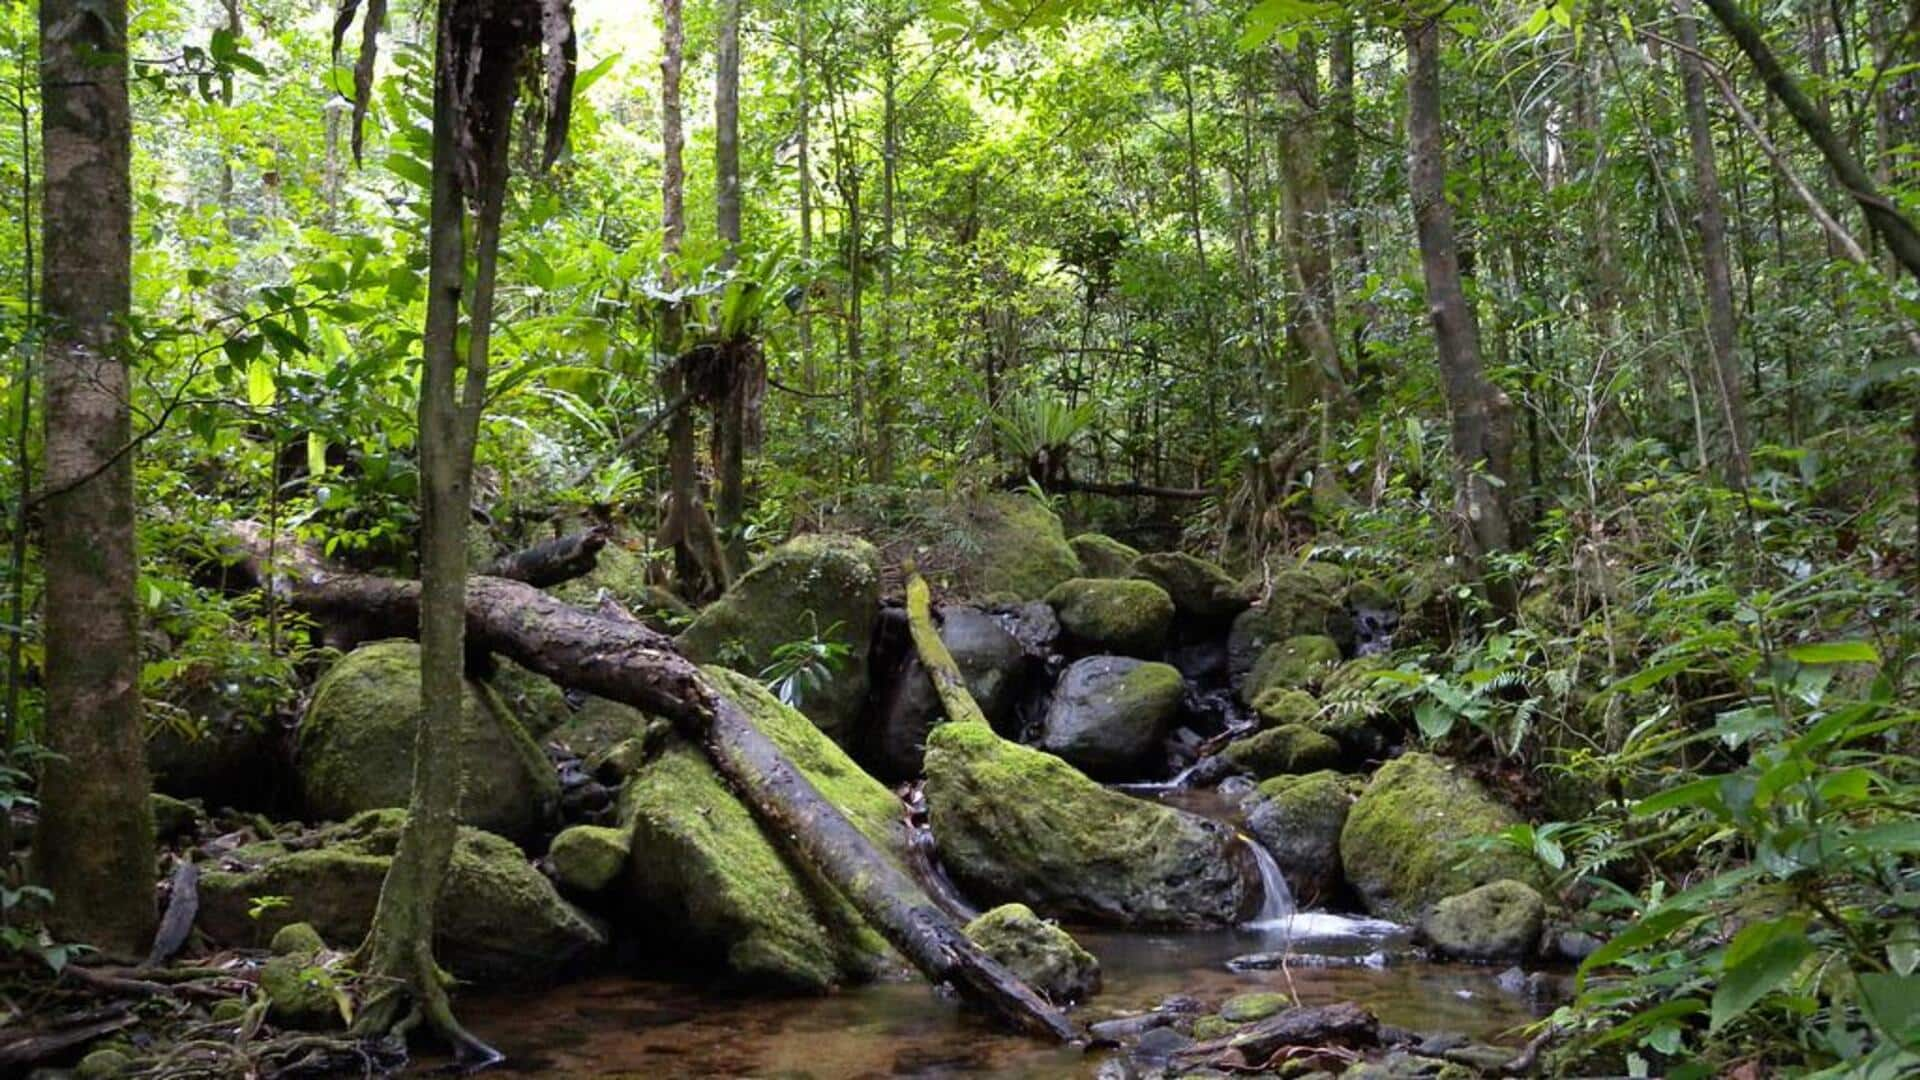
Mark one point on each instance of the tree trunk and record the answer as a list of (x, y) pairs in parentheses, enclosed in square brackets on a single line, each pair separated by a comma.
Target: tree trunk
[(94, 844), (730, 419), (1482, 435), (1715, 269)]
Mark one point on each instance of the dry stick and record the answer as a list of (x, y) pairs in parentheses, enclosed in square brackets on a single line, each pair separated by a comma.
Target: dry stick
[(636, 666)]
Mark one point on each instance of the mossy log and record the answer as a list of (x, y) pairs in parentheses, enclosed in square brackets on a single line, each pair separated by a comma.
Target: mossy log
[(941, 667), (629, 663)]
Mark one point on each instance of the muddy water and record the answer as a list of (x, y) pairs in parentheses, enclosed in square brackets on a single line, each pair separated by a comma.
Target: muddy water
[(615, 1026)]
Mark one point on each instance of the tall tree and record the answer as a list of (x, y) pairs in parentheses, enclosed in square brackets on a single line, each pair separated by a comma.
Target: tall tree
[(1715, 268), (94, 843), (730, 419), (480, 53), (1482, 420)]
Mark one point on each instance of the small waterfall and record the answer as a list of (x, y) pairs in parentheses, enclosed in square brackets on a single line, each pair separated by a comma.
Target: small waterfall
[(1276, 905)]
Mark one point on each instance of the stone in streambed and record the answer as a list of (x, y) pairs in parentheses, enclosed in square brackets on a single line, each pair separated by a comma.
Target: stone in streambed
[(1295, 602), (1495, 923), (992, 663), (588, 858), (1101, 556), (1109, 714), (356, 747), (1121, 617), (1041, 954), (1289, 748), (1015, 823), (1200, 589), (1298, 820), (1294, 664)]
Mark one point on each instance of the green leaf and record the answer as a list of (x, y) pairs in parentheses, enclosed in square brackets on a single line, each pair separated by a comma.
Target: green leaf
[(1761, 957), (1835, 652), (261, 389), (1435, 720), (1704, 792), (412, 170), (316, 454), (1893, 1003)]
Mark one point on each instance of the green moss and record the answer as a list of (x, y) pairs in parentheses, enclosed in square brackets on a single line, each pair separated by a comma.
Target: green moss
[(1496, 923), (1125, 618), (1292, 603), (618, 571), (1044, 956), (228, 1009), (1403, 843), (588, 858), (172, 817), (1289, 748), (1284, 705), (1214, 1027), (1298, 820), (1199, 588), (700, 860), (599, 726), (297, 939), (533, 699), (102, 1065), (499, 919), (1254, 1005), (818, 584), (356, 746), (1018, 824), (1101, 556), (1022, 549), (1294, 664), (299, 993)]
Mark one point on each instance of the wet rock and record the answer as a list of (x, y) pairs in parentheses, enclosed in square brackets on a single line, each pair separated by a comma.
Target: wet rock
[(356, 747), (994, 665), (1014, 823), (1033, 625), (1287, 749), (821, 585), (1044, 956), (1401, 847), (1255, 1005), (1574, 945), (1109, 714), (499, 920), (1200, 589), (1298, 820), (1294, 664), (1102, 556), (1498, 921), (1296, 602), (1120, 617), (701, 863), (588, 858), (1159, 1044)]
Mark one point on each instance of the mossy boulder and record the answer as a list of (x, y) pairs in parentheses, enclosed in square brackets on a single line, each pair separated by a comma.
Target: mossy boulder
[(702, 864), (1284, 705), (535, 700), (1293, 603), (619, 573), (1200, 589), (173, 818), (102, 1065), (992, 662), (1297, 663), (1349, 723), (1254, 1005), (1289, 748), (1101, 556), (297, 939), (1022, 550), (1120, 617), (1298, 820), (356, 747), (499, 920), (1017, 824), (1044, 956), (1109, 714), (1404, 846), (300, 993), (588, 858), (827, 585), (598, 726), (1497, 923)]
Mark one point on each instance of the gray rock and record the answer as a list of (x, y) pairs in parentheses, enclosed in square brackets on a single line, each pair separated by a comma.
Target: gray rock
[(1500, 920), (991, 660), (1110, 713)]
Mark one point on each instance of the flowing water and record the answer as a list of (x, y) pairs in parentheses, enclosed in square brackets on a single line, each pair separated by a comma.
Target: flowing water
[(1276, 899)]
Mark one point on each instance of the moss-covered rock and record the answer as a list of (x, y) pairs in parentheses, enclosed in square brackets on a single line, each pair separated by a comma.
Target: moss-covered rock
[(499, 920), (701, 863), (300, 993), (1014, 823), (1298, 820), (356, 747), (819, 584), (619, 573), (1208, 1028), (1107, 615), (102, 1065), (1200, 589), (588, 858), (1254, 1005), (1499, 922), (1284, 705), (1403, 846), (598, 727), (1298, 663), (535, 700), (1295, 602), (1101, 556), (1109, 714), (1289, 748), (297, 939), (1044, 956), (1022, 549), (173, 818)]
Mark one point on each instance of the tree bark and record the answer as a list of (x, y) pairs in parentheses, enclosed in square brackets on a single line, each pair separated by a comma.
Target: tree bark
[(1482, 425), (547, 564), (730, 419), (1716, 272), (94, 843), (626, 662)]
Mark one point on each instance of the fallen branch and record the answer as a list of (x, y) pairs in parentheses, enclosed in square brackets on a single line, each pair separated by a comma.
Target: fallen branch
[(631, 664), (547, 564), (183, 904), (20, 1049), (941, 668), (1321, 1026)]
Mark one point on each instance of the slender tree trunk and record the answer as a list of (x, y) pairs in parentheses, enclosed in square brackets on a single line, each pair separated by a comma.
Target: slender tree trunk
[(1715, 268), (1482, 436), (22, 438), (730, 419), (804, 163), (94, 844), (886, 367)]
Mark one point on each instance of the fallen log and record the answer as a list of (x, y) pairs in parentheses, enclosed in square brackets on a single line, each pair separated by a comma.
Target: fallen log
[(955, 700), (629, 663), (1254, 1046), (553, 561), (20, 1048)]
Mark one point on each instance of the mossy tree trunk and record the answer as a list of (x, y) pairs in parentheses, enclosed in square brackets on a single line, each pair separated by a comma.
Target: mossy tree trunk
[(94, 844)]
